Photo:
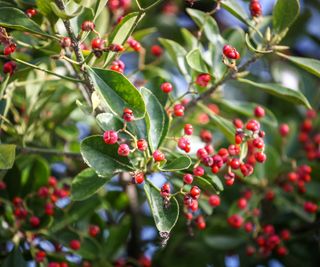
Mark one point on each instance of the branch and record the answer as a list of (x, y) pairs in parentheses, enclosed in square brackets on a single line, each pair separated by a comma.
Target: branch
[(230, 75), (77, 50), (47, 151)]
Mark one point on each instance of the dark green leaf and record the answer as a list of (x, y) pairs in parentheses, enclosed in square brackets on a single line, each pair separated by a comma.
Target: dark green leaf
[(165, 218), (14, 18), (191, 42), (285, 12), (155, 119), (122, 31), (103, 158), (215, 180), (235, 9), (108, 121), (15, 259), (205, 185), (177, 164), (224, 242), (85, 184), (7, 156), (309, 64), (195, 61), (280, 91), (118, 92)]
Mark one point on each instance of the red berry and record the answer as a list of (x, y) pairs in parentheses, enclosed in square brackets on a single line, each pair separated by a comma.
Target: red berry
[(87, 26), (110, 137), (230, 52), (94, 230), (284, 130), (246, 169), (253, 125), (187, 178), (195, 192), (203, 79), (158, 155), (202, 153), (156, 50), (269, 195), (116, 48), (118, 65), (198, 171), (242, 203), (139, 178), (206, 136), (17, 201), (235, 221), (166, 87), (310, 207), (49, 209), (31, 12), (255, 8), (128, 115), (178, 110), (238, 123), (184, 144), (285, 234), (9, 49), (200, 222), (65, 42), (250, 250), (214, 201), (123, 150), (97, 43), (259, 112), (34, 221), (258, 143), (235, 163), (9, 67), (142, 144), (165, 190), (75, 244), (234, 150), (248, 227), (135, 45), (188, 129), (260, 157), (40, 256), (3, 185), (282, 251)]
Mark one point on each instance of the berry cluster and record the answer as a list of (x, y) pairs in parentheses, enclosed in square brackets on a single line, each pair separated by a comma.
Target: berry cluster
[(6, 41), (255, 8)]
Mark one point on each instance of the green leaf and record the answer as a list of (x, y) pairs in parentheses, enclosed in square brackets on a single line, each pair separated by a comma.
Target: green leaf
[(191, 42), (280, 91), (235, 9), (236, 38), (195, 61), (224, 125), (177, 164), (7, 156), (155, 119), (309, 64), (215, 180), (103, 158), (205, 185), (285, 12), (14, 18), (108, 121), (177, 54), (246, 109), (15, 258), (165, 218), (85, 184), (207, 23), (118, 92), (122, 32)]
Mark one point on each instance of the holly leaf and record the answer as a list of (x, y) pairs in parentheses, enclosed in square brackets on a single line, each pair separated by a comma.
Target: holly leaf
[(103, 158), (108, 121), (177, 164), (285, 12), (85, 184), (118, 92), (165, 217)]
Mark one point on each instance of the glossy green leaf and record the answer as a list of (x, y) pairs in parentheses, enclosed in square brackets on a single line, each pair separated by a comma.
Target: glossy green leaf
[(155, 119), (164, 217), (207, 23), (177, 54), (7, 156), (191, 42), (177, 164), (103, 158), (235, 9), (224, 125), (14, 18), (280, 91), (309, 64), (205, 185), (285, 12), (118, 92), (108, 121), (215, 180), (195, 61), (15, 258), (246, 109), (122, 32), (85, 184)]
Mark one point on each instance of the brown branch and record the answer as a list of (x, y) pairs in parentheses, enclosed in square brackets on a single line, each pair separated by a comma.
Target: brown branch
[(89, 85)]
